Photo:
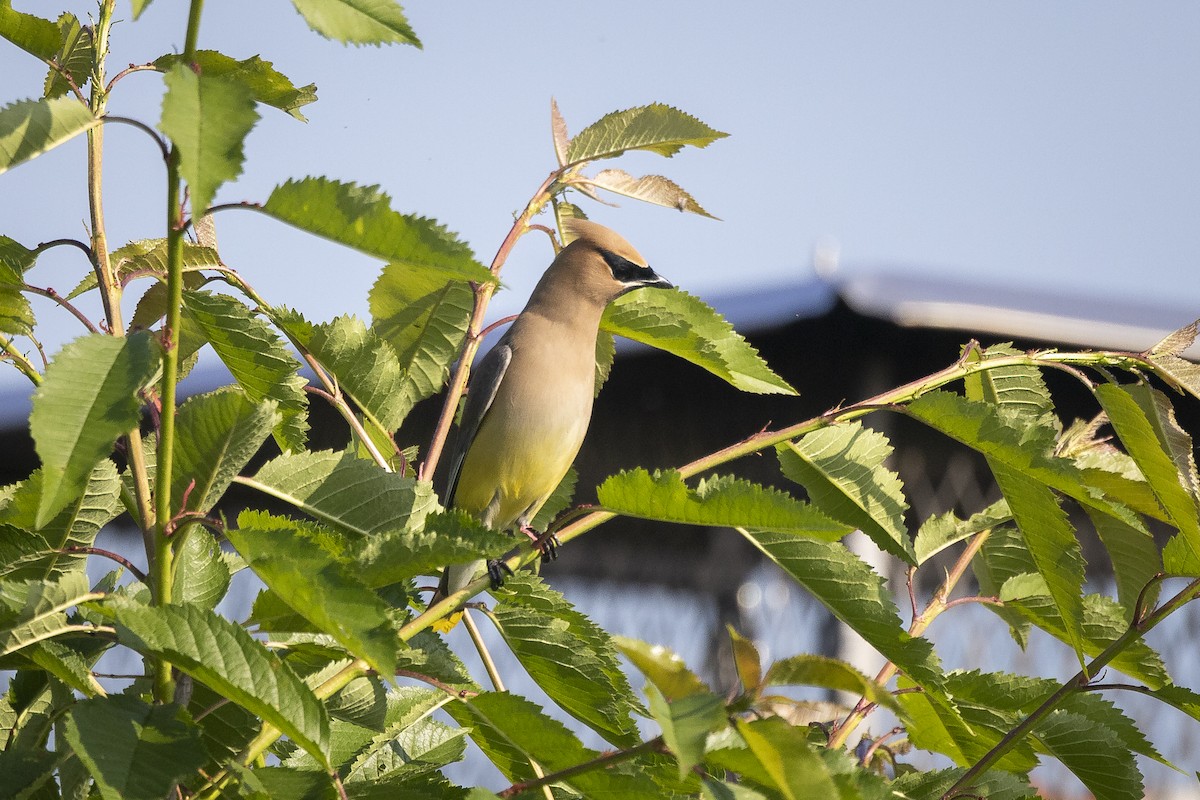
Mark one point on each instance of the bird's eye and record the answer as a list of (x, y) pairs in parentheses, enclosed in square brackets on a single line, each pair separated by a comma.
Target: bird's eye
[(625, 271)]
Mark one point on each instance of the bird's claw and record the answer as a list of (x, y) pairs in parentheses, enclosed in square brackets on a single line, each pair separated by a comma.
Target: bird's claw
[(547, 545), (496, 569)]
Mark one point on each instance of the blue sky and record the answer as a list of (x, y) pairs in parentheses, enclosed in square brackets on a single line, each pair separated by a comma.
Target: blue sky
[(1055, 145)]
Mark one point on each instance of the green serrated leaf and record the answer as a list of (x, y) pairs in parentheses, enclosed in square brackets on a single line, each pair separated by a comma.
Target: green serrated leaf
[(1052, 545), (1134, 555), (1103, 623), (842, 467), (134, 751), (569, 657), (207, 117), (1145, 422), (687, 327), (447, 537), (224, 656), (361, 217), (364, 366), (657, 128), (16, 314), (662, 667), (76, 56), (938, 533), (649, 188), (855, 594), (723, 500), (411, 744), (786, 755), (34, 611), (511, 731), (686, 723), (201, 575), (255, 355), (317, 586), (215, 437), (812, 670), (88, 398), (966, 733), (1094, 753), (148, 257), (31, 556), (268, 86), (993, 784), (358, 21), (353, 496), (36, 36), (1017, 390), (1027, 449), (747, 661)]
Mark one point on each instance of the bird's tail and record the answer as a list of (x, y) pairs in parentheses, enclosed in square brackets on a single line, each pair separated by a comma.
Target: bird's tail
[(454, 577)]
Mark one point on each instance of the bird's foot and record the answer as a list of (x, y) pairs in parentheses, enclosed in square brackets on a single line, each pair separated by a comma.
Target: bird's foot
[(545, 543), (496, 569)]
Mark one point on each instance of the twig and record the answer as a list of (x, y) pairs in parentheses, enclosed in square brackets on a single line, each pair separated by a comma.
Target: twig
[(44, 246), (128, 71), (461, 694), (603, 761), (50, 294), (117, 557), (144, 128)]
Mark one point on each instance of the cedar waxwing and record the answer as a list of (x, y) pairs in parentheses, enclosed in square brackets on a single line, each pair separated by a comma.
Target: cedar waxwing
[(530, 400)]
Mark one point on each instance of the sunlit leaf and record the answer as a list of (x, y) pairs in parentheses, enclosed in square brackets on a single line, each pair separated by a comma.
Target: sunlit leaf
[(685, 326), (662, 667), (658, 128), (361, 217), (207, 117), (321, 588), (813, 670), (76, 56), (29, 128), (855, 594), (224, 656), (569, 657), (1094, 753), (787, 756), (88, 399), (358, 21), (215, 437), (842, 467), (36, 36), (722, 500), (649, 189), (256, 356), (686, 723), (133, 750), (352, 495), (938, 533), (268, 86)]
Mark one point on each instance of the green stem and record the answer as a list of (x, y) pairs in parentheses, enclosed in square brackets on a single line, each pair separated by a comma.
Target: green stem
[(162, 572), (1078, 683), (9, 351)]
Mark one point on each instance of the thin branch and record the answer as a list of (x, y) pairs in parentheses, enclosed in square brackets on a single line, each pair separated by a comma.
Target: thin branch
[(461, 694), (132, 68), (44, 246), (502, 321), (163, 147), (111, 556), (63, 302), (488, 663), (601, 762)]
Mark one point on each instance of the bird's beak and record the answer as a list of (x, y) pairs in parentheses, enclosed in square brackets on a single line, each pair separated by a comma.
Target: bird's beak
[(657, 281)]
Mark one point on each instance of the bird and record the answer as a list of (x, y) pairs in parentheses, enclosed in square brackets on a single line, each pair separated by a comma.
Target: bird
[(529, 402)]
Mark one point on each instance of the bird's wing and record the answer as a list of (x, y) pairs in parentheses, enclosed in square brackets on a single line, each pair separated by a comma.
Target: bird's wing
[(483, 387)]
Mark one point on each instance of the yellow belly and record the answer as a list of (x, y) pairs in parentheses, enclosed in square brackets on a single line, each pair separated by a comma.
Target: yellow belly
[(516, 461)]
